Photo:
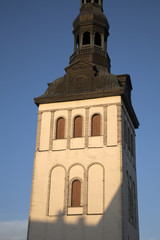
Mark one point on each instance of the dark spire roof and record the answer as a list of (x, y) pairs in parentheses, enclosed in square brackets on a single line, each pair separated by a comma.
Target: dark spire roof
[(82, 79), (90, 29), (88, 75)]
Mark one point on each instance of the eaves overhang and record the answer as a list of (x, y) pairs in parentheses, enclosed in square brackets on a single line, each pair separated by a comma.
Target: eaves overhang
[(131, 112), (80, 96)]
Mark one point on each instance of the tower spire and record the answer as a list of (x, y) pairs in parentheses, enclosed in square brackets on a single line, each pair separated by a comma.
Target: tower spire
[(98, 2), (91, 30)]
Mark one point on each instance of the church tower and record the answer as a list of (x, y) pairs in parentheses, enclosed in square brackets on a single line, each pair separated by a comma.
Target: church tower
[(84, 179)]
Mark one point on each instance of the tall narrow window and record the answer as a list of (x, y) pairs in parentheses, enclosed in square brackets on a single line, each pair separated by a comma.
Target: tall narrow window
[(78, 126), (88, 1), (77, 42), (97, 39), (95, 125), (128, 138), (76, 194), (60, 128), (86, 38)]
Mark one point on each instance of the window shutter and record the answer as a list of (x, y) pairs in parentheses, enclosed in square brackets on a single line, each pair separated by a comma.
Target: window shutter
[(96, 125), (60, 128), (76, 194), (78, 126)]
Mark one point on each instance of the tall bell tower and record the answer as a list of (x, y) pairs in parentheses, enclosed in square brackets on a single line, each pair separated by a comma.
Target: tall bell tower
[(84, 178)]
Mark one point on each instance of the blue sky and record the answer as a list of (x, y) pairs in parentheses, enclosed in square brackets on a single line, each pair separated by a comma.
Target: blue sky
[(35, 44)]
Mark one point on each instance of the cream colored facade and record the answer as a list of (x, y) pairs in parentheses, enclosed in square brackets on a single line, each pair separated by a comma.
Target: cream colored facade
[(102, 163)]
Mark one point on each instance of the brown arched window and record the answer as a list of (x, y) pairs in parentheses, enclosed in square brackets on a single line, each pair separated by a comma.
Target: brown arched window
[(60, 128), (76, 194), (78, 126), (95, 125)]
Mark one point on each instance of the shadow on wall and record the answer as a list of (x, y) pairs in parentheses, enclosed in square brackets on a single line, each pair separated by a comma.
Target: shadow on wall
[(106, 226)]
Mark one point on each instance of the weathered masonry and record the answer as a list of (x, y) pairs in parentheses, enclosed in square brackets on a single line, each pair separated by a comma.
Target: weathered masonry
[(84, 178)]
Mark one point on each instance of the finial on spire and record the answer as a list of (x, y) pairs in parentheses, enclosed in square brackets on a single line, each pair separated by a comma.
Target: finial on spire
[(99, 2)]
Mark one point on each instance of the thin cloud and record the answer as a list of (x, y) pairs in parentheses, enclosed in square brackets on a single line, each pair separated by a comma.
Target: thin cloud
[(13, 230)]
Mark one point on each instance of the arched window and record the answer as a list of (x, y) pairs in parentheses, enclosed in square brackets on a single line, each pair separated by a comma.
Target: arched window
[(88, 1), (97, 39), (77, 127), (96, 1), (86, 38), (60, 128), (77, 41), (95, 125), (76, 194)]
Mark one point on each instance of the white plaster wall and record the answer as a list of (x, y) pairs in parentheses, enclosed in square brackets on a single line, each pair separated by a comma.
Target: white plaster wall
[(77, 143), (80, 104), (95, 142), (112, 125), (109, 158), (45, 131), (81, 226), (76, 171)]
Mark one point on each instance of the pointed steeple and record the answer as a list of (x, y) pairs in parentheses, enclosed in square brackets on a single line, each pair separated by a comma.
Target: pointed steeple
[(91, 30)]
